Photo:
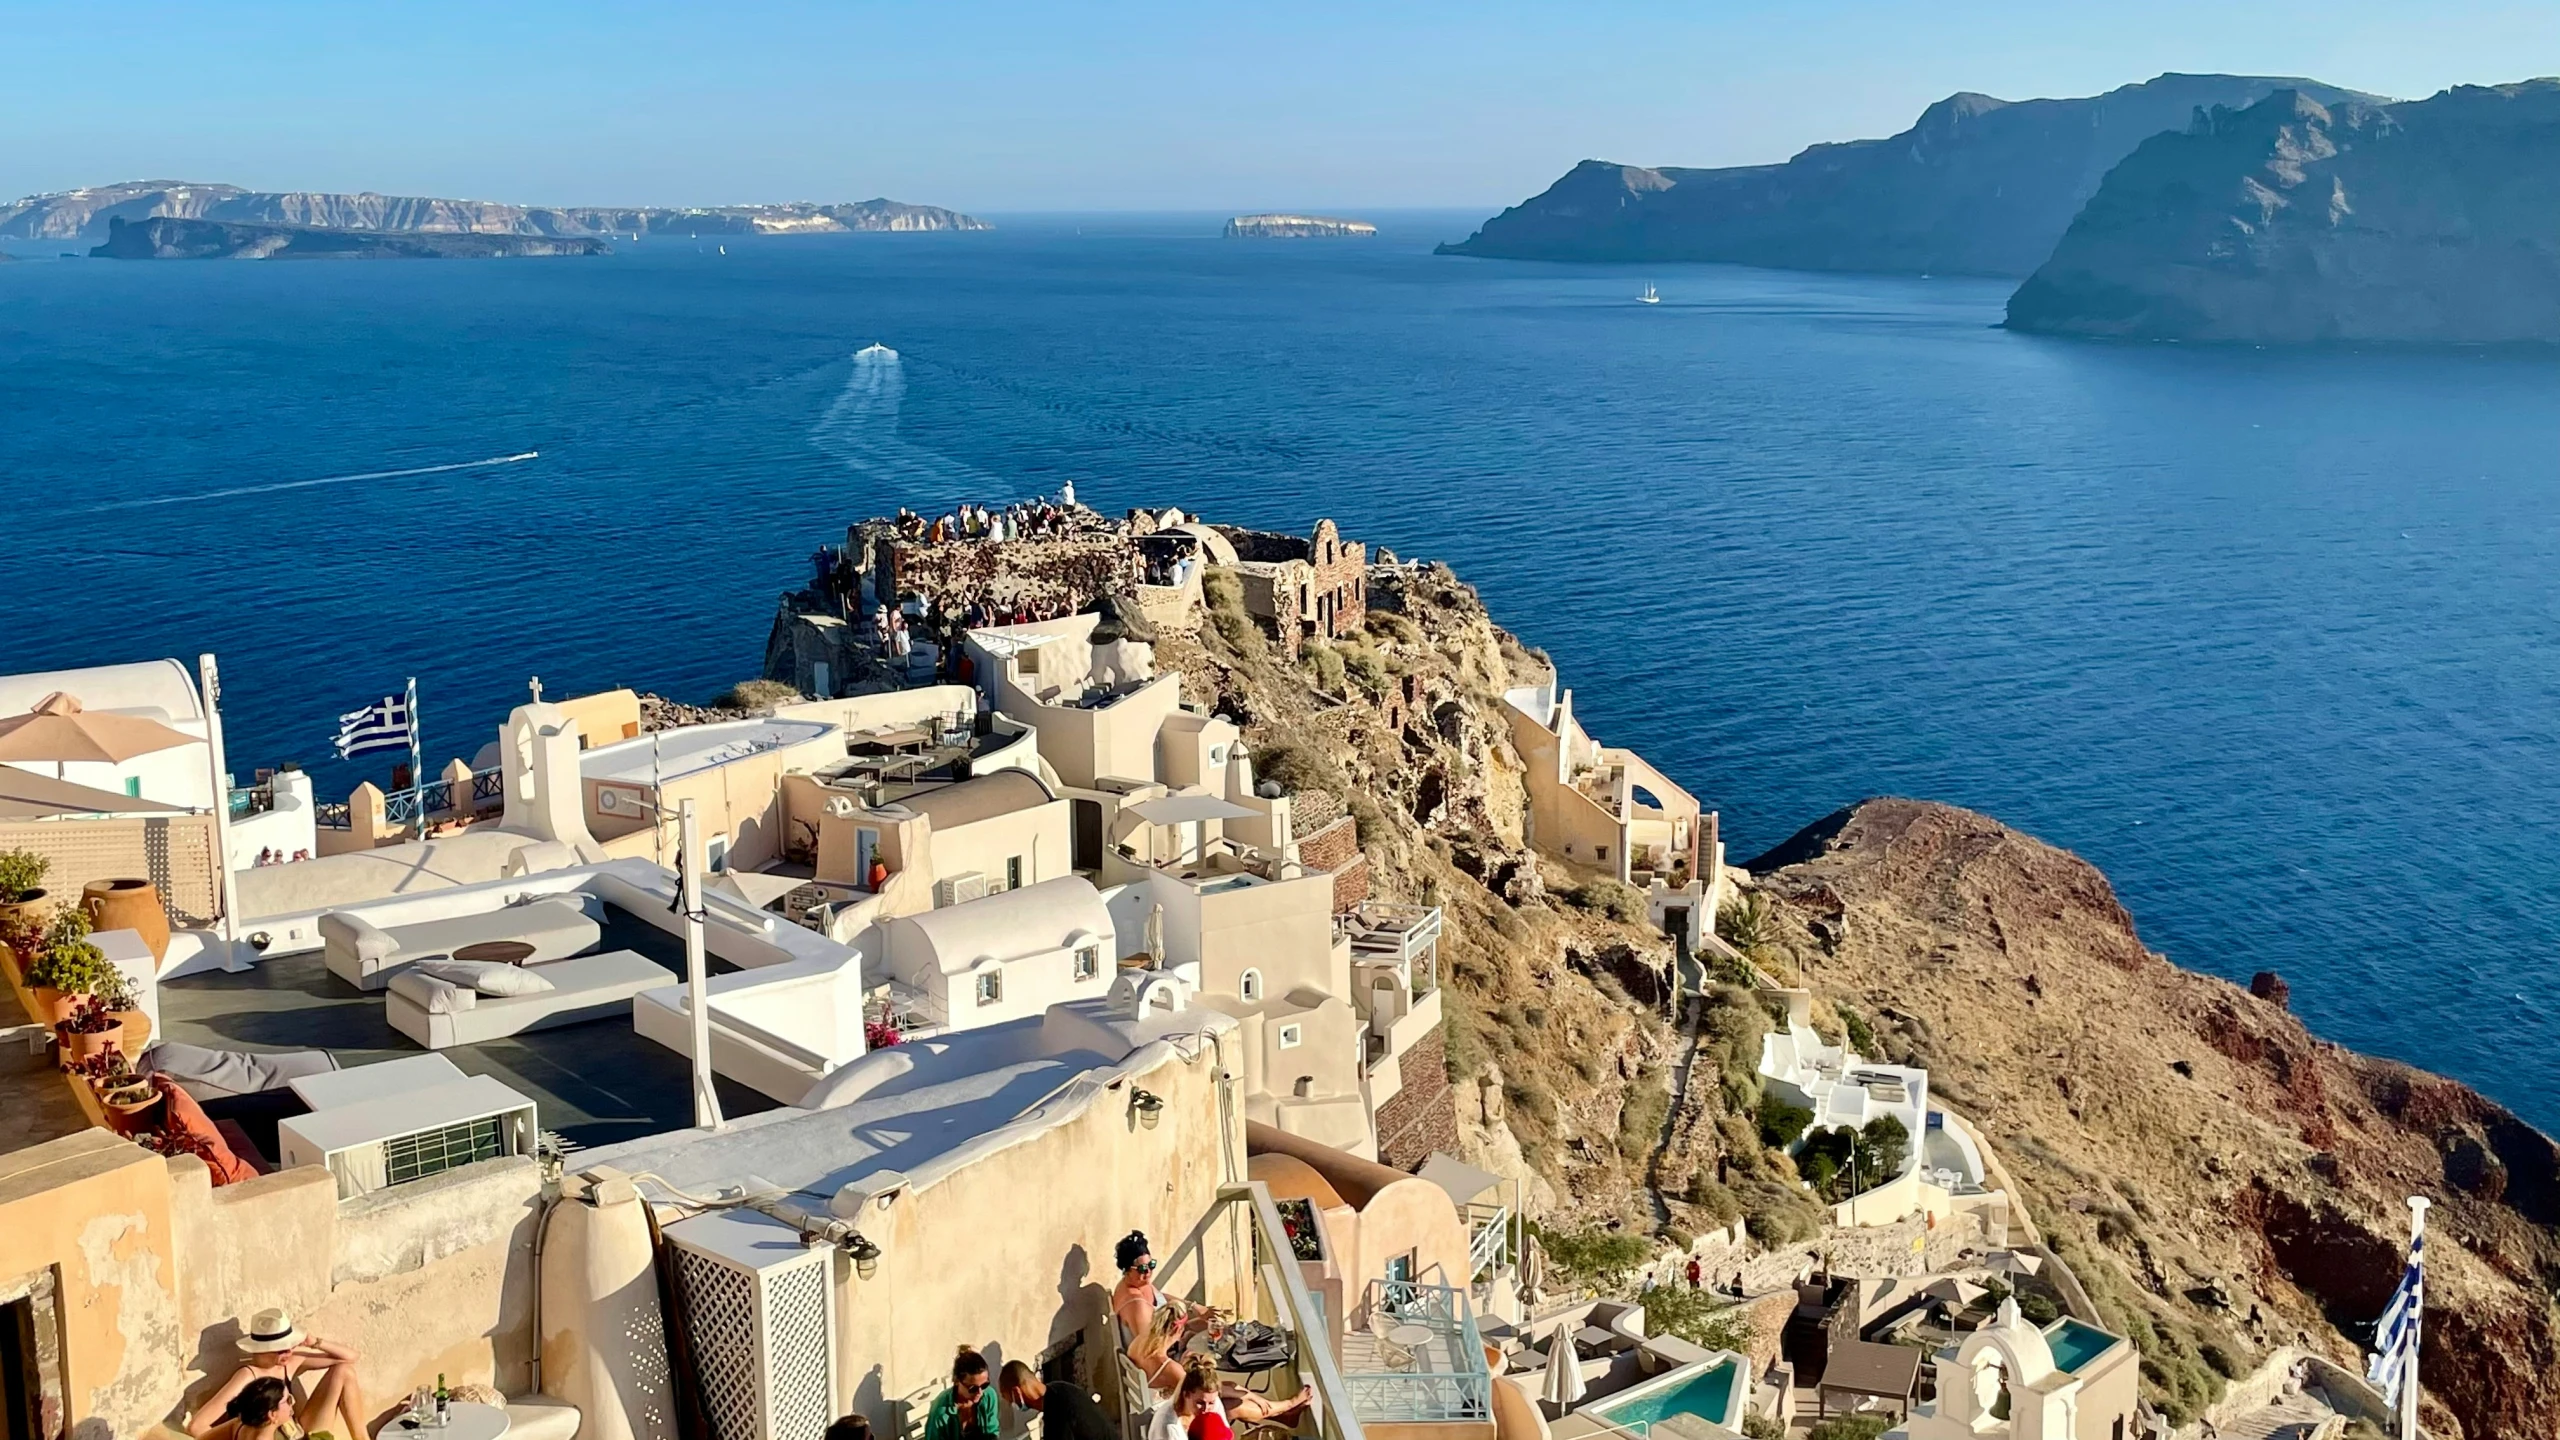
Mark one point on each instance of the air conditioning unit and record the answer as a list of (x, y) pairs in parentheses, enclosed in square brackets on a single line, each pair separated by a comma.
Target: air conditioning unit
[(959, 889), (761, 1306), (375, 1143)]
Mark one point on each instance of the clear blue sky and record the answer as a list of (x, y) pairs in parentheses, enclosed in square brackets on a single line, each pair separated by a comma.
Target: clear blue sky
[(1013, 105)]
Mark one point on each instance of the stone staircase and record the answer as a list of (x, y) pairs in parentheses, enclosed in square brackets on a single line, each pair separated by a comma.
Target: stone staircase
[(2294, 1417)]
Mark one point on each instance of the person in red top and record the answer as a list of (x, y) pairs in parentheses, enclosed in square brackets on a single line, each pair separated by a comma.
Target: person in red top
[(1197, 1404), (1693, 1272)]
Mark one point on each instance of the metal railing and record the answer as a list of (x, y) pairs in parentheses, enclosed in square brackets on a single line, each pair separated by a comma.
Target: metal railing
[(333, 816), (1267, 1259), (1489, 1232), (1446, 1378), (488, 785), (409, 807)]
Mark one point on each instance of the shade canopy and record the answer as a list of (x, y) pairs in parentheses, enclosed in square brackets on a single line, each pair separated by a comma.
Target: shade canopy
[(25, 795), (1564, 1372), (1953, 1291), (60, 731), (1178, 809), (2014, 1262), (1863, 1367)]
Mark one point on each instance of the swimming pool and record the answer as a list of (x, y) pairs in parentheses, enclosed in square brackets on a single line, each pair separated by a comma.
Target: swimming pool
[(2075, 1344), (1706, 1391)]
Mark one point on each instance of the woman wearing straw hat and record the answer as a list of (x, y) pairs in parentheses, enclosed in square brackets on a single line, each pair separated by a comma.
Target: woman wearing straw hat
[(258, 1402)]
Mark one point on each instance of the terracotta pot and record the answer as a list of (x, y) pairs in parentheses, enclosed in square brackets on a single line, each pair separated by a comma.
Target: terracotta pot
[(129, 1098), (129, 905), (81, 1047), (54, 1006), (36, 905)]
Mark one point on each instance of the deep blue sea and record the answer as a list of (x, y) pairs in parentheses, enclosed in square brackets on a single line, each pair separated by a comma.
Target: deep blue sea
[(2270, 637)]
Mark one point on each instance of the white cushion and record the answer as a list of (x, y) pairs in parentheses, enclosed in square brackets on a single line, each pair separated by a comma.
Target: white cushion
[(433, 993), (488, 977)]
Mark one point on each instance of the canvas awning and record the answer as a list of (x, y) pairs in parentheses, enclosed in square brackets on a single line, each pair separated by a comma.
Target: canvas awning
[(1863, 1367), (1181, 809), (1465, 1183), (58, 730), (25, 795), (1953, 1291), (2014, 1262)]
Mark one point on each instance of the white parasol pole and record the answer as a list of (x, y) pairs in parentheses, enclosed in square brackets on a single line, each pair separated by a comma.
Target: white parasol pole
[(211, 676), (706, 1098)]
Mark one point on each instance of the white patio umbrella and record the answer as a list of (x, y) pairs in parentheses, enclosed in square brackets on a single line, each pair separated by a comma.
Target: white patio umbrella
[(1564, 1387), (2013, 1262), (1953, 1291)]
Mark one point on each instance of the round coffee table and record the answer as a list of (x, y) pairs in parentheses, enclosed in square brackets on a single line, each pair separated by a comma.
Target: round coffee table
[(470, 1420), (500, 952)]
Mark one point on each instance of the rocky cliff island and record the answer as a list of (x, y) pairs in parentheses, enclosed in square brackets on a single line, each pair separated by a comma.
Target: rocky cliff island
[(2297, 221), (169, 238), (1294, 227), (1978, 186), (87, 214)]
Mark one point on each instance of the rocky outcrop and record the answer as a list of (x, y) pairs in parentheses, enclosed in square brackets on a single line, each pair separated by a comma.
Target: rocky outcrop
[(167, 238), (1294, 227), (90, 213), (2294, 221), (2223, 1182), (1978, 186)]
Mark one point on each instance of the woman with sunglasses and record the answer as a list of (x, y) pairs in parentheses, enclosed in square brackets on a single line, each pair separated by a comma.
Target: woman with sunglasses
[(967, 1410), (1155, 1327)]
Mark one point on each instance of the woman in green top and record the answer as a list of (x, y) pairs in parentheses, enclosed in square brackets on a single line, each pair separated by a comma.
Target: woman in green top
[(966, 1411)]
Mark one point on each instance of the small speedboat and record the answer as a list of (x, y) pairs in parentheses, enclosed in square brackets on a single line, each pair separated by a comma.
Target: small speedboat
[(875, 351)]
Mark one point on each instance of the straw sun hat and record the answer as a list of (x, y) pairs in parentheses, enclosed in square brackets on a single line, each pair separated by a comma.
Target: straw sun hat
[(268, 1331)]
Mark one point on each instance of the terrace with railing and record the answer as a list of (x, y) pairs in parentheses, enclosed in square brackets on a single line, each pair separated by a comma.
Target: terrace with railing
[(1412, 1355)]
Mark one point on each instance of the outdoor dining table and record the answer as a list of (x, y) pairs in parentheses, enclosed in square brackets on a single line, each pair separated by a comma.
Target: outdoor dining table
[(467, 1420)]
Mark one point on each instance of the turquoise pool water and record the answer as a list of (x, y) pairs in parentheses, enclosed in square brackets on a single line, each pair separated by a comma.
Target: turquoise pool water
[(2075, 1344), (1706, 1393)]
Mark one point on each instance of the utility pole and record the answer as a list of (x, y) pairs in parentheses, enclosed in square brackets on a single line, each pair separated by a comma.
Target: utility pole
[(689, 861)]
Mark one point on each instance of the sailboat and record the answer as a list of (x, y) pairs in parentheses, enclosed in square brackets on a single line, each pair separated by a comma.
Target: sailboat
[(1648, 297)]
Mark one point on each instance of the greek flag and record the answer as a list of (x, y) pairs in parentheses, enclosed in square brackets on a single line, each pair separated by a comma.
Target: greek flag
[(2395, 1340), (386, 724)]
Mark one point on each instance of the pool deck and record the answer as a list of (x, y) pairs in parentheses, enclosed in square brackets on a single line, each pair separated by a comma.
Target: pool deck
[(594, 1083)]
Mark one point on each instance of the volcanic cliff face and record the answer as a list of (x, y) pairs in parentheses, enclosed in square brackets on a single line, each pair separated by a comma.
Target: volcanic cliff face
[(90, 213), (2293, 221), (1977, 186), (2217, 1176), (169, 238)]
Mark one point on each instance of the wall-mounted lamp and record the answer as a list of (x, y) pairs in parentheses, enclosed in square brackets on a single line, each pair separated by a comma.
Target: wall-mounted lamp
[(1147, 1105), (866, 1256)]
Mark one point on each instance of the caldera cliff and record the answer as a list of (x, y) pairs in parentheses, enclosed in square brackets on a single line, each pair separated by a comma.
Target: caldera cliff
[(2294, 221), (169, 238)]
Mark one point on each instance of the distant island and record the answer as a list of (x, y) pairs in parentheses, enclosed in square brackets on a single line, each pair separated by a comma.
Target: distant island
[(89, 214), (165, 237), (2301, 220), (1978, 186), (1294, 227)]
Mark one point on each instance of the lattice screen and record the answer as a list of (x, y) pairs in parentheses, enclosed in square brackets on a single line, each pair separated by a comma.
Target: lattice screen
[(795, 1327), (174, 853), (720, 1300)]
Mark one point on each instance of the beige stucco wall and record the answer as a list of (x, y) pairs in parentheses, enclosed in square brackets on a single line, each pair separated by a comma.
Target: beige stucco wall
[(604, 718), (1012, 1252), (428, 1278), (94, 1210), (738, 800), (1283, 928), (1038, 835)]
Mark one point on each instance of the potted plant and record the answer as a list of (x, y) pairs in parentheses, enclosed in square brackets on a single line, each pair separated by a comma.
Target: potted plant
[(22, 889), (68, 968), (91, 1030)]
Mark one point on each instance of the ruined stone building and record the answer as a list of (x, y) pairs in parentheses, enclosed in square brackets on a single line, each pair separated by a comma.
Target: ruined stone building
[(1298, 587)]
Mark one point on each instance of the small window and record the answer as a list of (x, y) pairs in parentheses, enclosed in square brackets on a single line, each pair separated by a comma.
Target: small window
[(1291, 1036), (1013, 873), (1249, 985), (991, 987), (1088, 962), (1600, 853)]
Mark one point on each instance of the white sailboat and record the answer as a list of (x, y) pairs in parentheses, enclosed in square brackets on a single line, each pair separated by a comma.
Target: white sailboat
[(1648, 297)]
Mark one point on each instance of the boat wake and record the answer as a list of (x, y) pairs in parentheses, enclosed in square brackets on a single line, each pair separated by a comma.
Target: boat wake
[(860, 432), (157, 500)]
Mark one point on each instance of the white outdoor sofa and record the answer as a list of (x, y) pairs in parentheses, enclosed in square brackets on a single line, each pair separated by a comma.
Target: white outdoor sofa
[(366, 955), (439, 1013)]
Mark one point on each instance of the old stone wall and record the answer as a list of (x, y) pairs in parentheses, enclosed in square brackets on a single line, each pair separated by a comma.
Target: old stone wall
[(1423, 1116), (1341, 583)]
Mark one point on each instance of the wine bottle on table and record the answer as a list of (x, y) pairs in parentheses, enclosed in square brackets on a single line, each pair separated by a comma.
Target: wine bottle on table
[(444, 1403)]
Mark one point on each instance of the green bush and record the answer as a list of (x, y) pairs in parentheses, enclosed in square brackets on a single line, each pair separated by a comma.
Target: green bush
[(1461, 1048), (1757, 1426), (1366, 666), (1850, 1427), (75, 967), (1696, 1316), (1603, 1257), (1746, 923), (1721, 1206), (20, 872), (1641, 1119), (756, 695), (1861, 1038), (1883, 1145), (1608, 897), (2040, 1309), (1325, 664), (1782, 1124)]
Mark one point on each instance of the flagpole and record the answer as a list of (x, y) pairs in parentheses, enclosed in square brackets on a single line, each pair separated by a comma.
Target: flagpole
[(2417, 1317), (689, 861), (417, 764)]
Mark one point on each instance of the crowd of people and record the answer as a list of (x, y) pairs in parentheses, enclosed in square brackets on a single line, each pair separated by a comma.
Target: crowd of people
[(1171, 1342), (1027, 519)]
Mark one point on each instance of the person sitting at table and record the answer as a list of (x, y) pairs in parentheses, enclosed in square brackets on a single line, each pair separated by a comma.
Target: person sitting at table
[(1156, 1327), (1196, 1403), (966, 1410), (275, 1356)]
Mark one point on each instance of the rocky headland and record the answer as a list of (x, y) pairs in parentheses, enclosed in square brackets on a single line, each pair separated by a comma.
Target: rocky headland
[(169, 238), (2226, 1186), (87, 214), (1294, 227), (1978, 186), (2296, 221)]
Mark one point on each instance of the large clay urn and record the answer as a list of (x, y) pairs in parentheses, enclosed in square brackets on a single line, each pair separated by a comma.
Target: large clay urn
[(128, 905)]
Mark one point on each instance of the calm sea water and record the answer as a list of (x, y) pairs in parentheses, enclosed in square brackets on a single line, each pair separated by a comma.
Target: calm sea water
[(2267, 636)]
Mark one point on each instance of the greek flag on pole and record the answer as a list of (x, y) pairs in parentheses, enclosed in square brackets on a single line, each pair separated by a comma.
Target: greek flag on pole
[(2395, 1339), (383, 725)]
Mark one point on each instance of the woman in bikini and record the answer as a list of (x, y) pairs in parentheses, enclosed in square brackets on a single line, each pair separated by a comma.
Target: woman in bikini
[(1156, 1327), (260, 1400)]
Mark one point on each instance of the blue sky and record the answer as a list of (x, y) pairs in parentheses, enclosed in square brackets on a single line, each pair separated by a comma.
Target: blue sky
[(1002, 105)]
